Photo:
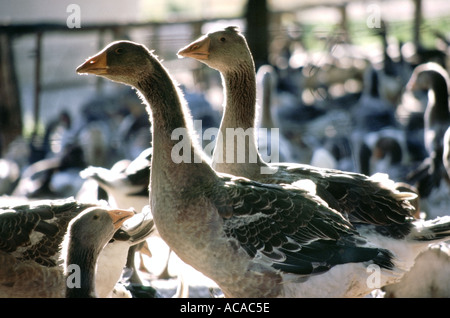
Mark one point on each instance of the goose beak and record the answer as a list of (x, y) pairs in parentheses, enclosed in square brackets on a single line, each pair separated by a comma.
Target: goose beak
[(198, 50), (120, 216), (96, 65)]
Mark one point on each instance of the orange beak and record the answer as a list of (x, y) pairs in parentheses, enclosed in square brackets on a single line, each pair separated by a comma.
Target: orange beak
[(198, 50), (96, 65), (120, 216)]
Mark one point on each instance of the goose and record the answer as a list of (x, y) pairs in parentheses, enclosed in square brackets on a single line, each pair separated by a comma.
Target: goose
[(434, 79), (9, 175), (37, 180), (32, 234), (372, 200), (127, 187), (266, 80), (253, 239), (29, 265), (87, 234)]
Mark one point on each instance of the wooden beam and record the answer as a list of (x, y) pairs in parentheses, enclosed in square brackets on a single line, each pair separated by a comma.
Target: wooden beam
[(417, 21)]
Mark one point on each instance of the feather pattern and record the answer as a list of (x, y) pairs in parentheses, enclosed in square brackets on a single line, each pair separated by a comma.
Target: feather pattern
[(35, 232)]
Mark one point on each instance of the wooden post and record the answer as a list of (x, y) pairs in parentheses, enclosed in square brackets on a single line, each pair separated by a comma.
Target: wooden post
[(10, 107), (37, 82), (417, 21), (257, 17), (344, 22)]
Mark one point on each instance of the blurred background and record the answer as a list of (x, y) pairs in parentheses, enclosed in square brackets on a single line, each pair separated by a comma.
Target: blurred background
[(324, 54)]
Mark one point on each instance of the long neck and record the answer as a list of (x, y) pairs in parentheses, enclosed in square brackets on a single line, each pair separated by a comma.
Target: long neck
[(174, 155), (81, 278), (239, 116), (240, 97)]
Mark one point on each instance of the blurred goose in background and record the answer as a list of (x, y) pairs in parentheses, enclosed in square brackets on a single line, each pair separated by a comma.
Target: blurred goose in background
[(394, 71), (54, 177), (385, 151), (9, 176), (126, 183), (255, 239), (266, 83), (371, 114), (31, 239), (435, 80)]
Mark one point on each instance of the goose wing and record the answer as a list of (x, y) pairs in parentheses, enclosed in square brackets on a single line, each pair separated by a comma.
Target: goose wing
[(363, 199), (292, 229), (35, 231)]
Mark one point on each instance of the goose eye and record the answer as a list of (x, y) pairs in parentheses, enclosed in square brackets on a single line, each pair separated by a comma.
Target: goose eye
[(222, 39), (95, 217), (119, 50)]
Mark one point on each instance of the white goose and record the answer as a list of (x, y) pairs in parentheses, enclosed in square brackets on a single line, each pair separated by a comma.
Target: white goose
[(253, 239)]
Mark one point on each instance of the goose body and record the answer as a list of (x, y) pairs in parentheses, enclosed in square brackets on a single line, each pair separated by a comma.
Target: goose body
[(35, 259), (253, 239)]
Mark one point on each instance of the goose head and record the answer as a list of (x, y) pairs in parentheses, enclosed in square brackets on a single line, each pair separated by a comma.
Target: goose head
[(222, 50), (121, 61), (426, 76), (88, 233)]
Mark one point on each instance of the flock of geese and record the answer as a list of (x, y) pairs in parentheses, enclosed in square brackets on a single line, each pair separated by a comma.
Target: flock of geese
[(255, 228)]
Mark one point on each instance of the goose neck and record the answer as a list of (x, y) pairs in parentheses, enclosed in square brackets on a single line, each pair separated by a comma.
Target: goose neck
[(80, 267), (438, 97), (175, 153), (236, 150), (240, 97)]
